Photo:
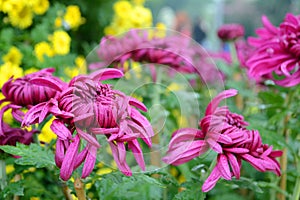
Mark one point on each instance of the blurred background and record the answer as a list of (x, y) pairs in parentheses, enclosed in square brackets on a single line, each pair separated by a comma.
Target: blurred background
[(209, 13)]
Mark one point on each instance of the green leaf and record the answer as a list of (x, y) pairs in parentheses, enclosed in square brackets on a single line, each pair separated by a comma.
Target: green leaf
[(138, 186), (15, 188), (32, 154), (192, 190), (6, 35), (247, 183)]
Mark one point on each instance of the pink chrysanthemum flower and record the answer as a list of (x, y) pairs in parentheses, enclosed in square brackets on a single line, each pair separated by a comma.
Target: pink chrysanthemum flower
[(277, 52), (13, 135), (225, 133), (228, 32), (87, 108), (175, 51), (24, 93)]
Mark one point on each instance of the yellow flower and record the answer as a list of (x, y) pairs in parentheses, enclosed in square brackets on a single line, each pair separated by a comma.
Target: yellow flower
[(73, 17), (47, 134), (11, 5), (61, 42), (7, 70), (13, 56), (58, 22), (41, 49), (7, 116), (10, 169), (122, 8), (40, 6), (141, 17), (21, 18)]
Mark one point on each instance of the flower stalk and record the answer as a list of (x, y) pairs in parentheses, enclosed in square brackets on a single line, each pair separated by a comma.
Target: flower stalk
[(67, 192), (79, 189)]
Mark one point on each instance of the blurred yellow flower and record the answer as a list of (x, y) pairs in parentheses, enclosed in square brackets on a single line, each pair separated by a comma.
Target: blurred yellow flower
[(41, 49), (71, 71), (21, 18), (79, 68), (103, 171), (30, 71), (13, 56), (40, 6), (11, 5), (129, 14), (141, 17), (110, 30), (34, 198), (47, 134), (7, 70), (122, 8), (73, 17), (61, 42), (58, 22), (182, 121), (173, 87), (160, 30), (80, 62), (9, 169), (181, 179), (138, 2), (7, 116)]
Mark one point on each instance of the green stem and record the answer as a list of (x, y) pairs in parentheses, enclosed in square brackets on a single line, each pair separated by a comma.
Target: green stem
[(203, 178), (296, 192), (2, 174), (155, 154), (285, 132), (233, 54)]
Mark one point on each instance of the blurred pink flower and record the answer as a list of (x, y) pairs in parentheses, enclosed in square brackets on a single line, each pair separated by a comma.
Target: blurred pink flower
[(225, 133), (13, 135), (87, 108), (176, 51), (23, 93), (277, 52), (228, 32)]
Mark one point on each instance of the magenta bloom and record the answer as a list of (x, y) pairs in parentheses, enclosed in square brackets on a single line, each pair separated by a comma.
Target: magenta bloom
[(228, 32), (225, 133), (24, 93), (175, 51), (277, 52), (87, 108), (13, 135)]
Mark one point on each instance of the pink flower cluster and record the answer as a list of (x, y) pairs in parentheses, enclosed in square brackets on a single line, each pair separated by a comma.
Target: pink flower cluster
[(86, 108), (277, 52), (225, 133)]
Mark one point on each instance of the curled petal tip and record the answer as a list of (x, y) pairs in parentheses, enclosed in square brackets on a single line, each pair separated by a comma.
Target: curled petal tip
[(108, 73)]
